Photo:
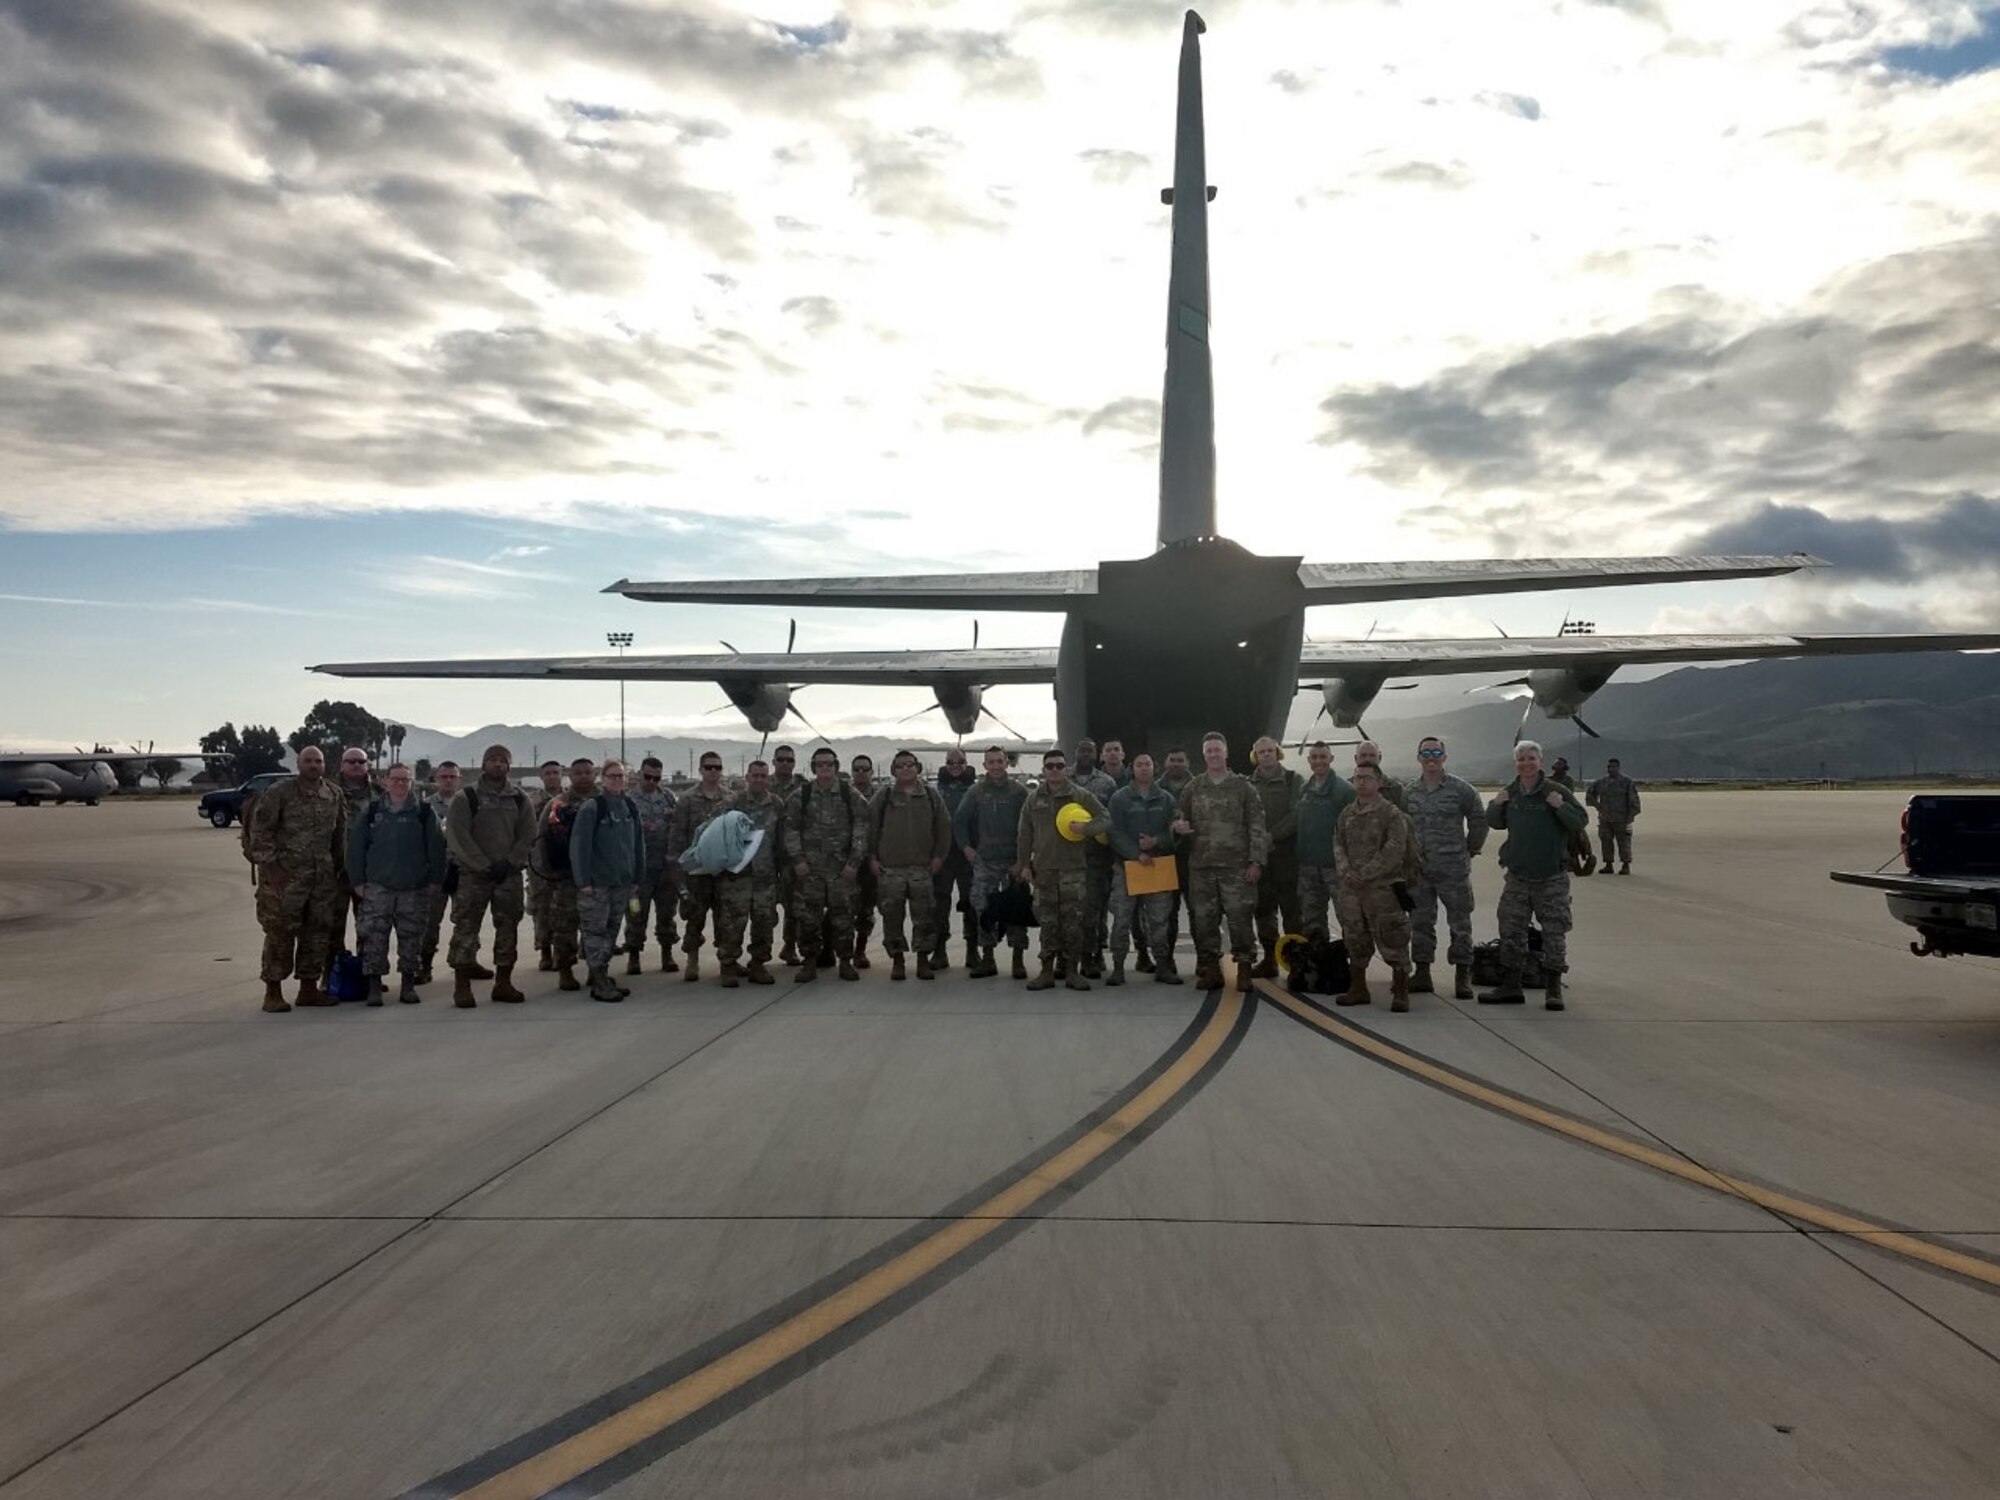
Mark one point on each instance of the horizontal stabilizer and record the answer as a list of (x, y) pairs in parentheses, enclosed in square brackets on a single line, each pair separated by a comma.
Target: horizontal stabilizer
[(1439, 658), (1054, 590), (987, 667), (1362, 583)]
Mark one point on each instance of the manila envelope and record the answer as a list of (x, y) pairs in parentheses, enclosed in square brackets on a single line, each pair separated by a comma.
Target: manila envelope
[(1150, 880)]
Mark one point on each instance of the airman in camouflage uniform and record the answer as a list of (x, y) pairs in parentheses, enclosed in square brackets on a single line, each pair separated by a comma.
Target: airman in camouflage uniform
[(1277, 910), (1057, 866), (539, 799), (1540, 816), (395, 862), (909, 834), (607, 857), (1142, 816), (1322, 798), (954, 882), (490, 831), (826, 838), (554, 852), (750, 898), (1372, 851), (297, 841), (357, 785), (701, 802), (785, 783), (987, 828), (1096, 859), (1174, 779), (861, 776), (447, 776), (1224, 817), (1449, 820), (1616, 798), (658, 892)]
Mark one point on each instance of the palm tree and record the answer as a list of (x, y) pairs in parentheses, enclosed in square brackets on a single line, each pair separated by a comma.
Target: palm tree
[(396, 741)]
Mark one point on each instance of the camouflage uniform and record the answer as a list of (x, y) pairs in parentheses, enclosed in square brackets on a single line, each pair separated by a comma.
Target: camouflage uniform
[(487, 826), (440, 899), (1320, 806), (1133, 813), (1096, 868), (658, 891), (866, 890), (952, 885), (608, 854), (1174, 789), (692, 809), (303, 835), (398, 854), (826, 829), (1060, 871), (1616, 799), (989, 822), (357, 795), (783, 791), (1372, 841), (538, 877), (750, 899), (1537, 885), (565, 927), (1229, 833), (1277, 909), (1449, 821), (907, 830)]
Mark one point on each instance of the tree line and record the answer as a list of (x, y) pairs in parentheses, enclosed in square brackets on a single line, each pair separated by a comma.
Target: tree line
[(332, 725)]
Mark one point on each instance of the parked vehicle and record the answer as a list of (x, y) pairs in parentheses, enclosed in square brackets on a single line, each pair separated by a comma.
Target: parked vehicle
[(1949, 887), (223, 806)]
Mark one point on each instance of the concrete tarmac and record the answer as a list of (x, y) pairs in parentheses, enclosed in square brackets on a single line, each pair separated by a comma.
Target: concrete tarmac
[(956, 1239)]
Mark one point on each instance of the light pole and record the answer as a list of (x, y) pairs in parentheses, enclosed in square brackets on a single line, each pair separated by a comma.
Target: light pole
[(620, 639)]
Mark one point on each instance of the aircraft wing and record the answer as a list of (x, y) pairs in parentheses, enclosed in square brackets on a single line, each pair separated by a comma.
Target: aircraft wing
[(986, 667), (1439, 658), (93, 757), (1051, 590), (1363, 583)]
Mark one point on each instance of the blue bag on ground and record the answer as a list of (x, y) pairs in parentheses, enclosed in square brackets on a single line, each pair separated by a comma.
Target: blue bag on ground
[(347, 981)]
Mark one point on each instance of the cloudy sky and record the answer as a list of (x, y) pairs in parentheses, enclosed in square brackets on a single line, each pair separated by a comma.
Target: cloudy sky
[(400, 327)]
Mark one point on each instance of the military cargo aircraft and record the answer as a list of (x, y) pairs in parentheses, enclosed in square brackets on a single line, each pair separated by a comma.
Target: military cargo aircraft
[(86, 776), (1202, 634)]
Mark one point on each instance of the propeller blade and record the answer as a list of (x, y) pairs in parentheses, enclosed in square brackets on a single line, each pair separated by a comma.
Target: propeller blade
[(1399, 687), (1001, 722), (920, 713), (793, 709), (725, 708), (1526, 709), (1503, 631), (731, 649), (792, 637), (1311, 727), (1585, 727), (975, 635), (762, 743)]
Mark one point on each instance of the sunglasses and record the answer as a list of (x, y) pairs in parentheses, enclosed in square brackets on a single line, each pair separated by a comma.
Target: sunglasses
[(1430, 755)]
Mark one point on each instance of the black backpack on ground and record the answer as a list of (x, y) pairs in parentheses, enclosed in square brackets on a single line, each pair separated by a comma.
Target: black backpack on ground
[(1318, 966), (1487, 970)]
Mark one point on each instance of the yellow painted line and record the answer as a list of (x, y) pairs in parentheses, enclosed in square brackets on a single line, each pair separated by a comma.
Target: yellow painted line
[(1828, 1219), (598, 1444)]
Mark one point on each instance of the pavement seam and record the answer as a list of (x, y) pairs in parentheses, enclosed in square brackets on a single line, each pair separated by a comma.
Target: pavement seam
[(415, 1226)]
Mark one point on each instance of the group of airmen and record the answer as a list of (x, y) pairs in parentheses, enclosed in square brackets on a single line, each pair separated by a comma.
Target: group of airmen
[(1103, 854)]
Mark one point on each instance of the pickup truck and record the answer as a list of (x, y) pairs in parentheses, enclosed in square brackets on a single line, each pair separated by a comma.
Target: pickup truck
[(1949, 887), (221, 806)]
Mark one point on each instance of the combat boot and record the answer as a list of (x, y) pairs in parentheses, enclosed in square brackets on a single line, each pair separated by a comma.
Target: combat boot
[(548, 959), (939, 960), (1356, 992), (274, 998), (1506, 992), (668, 963), (730, 973), (1093, 966), (979, 964), (807, 973), (601, 988), (847, 968), (1267, 966), (479, 970), (789, 955), (1244, 974), (1046, 980), (1020, 969), (566, 978), (503, 986), (408, 995), (925, 968), (1399, 988), (826, 959), (1553, 993), (1462, 983), (1076, 981), (374, 993), (1420, 981), (461, 990), (757, 973), (632, 965), (1143, 962), (310, 994), (691, 970), (424, 974), (1164, 972), (1117, 974), (1207, 974), (896, 970), (863, 930)]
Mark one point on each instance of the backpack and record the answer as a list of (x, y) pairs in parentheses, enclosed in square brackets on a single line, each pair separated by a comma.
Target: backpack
[(1487, 968), (346, 981), (1318, 966), (557, 829)]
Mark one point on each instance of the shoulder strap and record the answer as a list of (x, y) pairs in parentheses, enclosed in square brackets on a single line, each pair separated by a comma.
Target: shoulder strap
[(472, 801)]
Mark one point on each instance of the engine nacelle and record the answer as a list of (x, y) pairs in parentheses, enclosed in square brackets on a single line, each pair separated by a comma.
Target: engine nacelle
[(1348, 698), (961, 703), (1561, 692), (763, 703)]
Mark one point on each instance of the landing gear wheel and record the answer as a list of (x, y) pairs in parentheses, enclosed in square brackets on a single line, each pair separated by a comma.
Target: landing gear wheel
[(25, 799)]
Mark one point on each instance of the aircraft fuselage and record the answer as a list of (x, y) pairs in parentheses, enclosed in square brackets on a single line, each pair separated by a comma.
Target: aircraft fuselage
[(82, 780)]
